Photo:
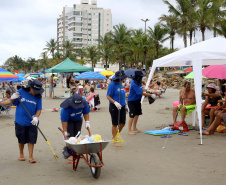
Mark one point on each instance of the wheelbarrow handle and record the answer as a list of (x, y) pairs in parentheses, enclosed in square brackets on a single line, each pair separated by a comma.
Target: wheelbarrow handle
[(62, 133), (89, 132)]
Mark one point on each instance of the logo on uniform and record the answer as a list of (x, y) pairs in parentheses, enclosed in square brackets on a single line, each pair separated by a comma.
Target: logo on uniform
[(78, 101), (23, 99)]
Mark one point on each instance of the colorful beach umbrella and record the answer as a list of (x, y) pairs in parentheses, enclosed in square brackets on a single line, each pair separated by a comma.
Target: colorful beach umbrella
[(191, 75), (107, 73), (90, 76), (131, 72), (6, 76), (189, 69), (215, 71)]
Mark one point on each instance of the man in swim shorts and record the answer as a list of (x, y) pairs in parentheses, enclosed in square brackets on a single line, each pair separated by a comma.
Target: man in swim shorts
[(187, 102)]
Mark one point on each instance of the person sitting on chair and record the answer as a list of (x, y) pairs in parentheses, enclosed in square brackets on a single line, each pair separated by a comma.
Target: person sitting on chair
[(187, 103), (4, 104), (212, 98), (220, 119)]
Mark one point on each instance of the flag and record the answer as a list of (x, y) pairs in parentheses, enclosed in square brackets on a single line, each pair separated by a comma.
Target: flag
[(16, 72)]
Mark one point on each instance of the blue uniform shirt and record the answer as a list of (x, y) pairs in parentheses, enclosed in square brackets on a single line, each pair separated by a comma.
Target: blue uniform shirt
[(135, 92), (113, 91), (73, 114), (31, 103)]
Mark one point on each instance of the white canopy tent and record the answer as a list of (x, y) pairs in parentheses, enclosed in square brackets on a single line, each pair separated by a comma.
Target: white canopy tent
[(209, 52)]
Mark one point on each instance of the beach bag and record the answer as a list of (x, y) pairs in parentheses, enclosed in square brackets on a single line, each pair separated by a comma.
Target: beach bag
[(151, 100)]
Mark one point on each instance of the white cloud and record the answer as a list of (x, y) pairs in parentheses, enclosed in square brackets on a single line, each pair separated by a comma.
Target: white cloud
[(26, 25)]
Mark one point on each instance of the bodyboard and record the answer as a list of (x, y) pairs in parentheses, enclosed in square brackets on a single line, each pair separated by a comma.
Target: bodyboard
[(161, 132)]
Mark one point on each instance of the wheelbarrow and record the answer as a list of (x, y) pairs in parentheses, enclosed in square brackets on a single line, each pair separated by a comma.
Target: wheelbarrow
[(90, 152)]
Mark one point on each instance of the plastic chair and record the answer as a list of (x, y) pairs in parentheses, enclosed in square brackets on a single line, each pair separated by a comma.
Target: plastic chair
[(7, 111)]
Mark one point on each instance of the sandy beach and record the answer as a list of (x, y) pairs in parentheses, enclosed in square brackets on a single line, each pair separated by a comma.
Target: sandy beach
[(142, 160)]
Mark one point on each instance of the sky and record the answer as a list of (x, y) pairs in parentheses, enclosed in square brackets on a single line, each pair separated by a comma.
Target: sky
[(26, 25)]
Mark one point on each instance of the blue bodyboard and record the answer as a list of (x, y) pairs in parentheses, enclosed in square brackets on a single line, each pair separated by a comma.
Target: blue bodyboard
[(161, 132)]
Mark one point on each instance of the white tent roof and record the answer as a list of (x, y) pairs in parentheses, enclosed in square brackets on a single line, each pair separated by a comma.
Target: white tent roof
[(209, 52)]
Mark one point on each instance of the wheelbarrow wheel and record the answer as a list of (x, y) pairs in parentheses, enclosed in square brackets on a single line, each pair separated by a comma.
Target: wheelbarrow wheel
[(94, 160)]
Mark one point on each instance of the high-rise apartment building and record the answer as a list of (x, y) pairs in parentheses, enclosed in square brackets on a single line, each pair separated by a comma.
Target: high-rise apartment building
[(83, 24)]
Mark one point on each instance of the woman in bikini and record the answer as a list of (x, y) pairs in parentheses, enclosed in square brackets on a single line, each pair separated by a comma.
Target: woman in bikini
[(212, 98)]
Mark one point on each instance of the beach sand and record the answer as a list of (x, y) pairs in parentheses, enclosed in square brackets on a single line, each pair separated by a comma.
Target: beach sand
[(141, 160)]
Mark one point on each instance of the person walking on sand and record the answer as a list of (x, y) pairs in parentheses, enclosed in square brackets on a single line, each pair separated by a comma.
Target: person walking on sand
[(25, 127), (114, 106), (72, 113), (134, 102), (51, 86)]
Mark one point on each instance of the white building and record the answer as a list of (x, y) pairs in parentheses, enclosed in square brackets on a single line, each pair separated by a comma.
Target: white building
[(83, 24)]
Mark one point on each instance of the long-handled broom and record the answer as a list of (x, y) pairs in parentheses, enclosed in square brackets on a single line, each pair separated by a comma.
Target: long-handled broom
[(55, 156)]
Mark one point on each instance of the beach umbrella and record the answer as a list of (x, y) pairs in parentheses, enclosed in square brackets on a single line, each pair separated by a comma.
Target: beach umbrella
[(189, 69), (191, 75), (20, 77), (6, 76), (131, 72), (215, 71), (90, 76), (27, 75), (111, 76), (35, 76), (107, 73), (35, 73), (45, 75)]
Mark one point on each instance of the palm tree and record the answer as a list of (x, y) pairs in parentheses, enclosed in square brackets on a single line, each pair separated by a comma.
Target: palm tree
[(120, 37), (81, 53), (157, 35), (51, 46), (14, 63), (171, 24), (204, 19), (218, 14), (181, 11), (221, 30), (137, 32), (133, 50), (30, 63), (106, 49), (145, 44), (192, 19), (68, 47), (44, 60), (92, 54)]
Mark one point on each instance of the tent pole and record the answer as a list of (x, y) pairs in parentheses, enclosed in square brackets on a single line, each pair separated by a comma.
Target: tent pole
[(149, 80)]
